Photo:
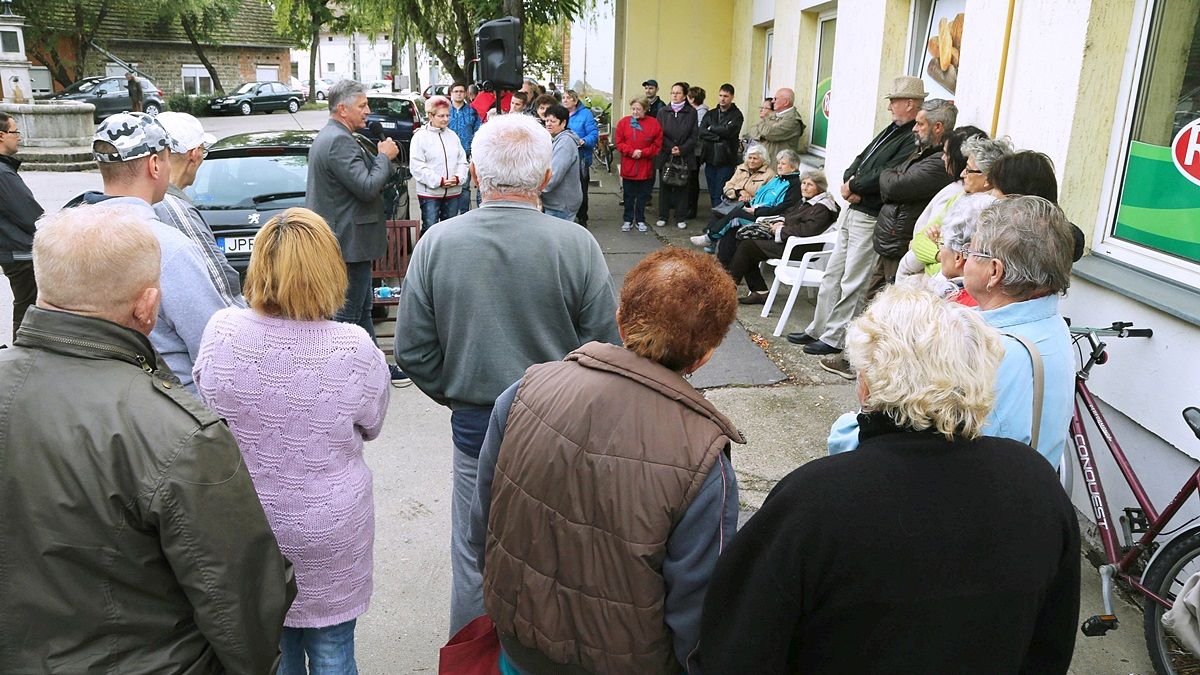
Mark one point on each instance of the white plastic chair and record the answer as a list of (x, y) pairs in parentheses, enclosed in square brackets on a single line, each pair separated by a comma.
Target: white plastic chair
[(805, 272)]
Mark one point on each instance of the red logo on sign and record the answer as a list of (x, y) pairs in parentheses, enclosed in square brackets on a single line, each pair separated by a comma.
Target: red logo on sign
[(1185, 150)]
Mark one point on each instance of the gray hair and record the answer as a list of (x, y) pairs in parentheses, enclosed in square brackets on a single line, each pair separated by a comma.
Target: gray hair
[(756, 149), (958, 225), (940, 110), (818, 178), (344, 92), (986, 151), (511, 154), (1033, 239), (788, 155)]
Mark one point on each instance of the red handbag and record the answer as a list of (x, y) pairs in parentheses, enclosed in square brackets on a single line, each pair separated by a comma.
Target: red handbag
[(474, 650)]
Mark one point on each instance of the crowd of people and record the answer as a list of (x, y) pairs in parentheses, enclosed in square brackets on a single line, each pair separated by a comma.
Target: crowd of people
[(182, 479)]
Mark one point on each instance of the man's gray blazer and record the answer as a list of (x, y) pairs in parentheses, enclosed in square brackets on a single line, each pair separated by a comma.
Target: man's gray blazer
[(344, 186)]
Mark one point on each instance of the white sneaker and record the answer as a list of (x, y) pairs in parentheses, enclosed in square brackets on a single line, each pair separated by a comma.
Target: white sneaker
[(661, 223), (626, 226), (642, 227), (700, 240), (681, 225)]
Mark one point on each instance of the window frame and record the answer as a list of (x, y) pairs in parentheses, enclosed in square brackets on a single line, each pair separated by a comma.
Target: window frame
[(1104, 242), (822, 18), (202, 74)]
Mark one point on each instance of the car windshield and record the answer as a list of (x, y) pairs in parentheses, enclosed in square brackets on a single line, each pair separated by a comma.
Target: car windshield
[(390, 107), (235, 182), (81, 87), (249, 86)]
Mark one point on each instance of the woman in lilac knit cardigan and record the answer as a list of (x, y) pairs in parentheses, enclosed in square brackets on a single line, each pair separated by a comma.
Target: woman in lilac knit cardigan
[(301, 393)]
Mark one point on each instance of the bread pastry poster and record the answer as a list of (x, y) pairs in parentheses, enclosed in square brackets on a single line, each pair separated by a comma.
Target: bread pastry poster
[(943, 48)]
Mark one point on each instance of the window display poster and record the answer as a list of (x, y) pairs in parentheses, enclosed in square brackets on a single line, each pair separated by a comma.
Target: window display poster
[(943, 46), (820, 119), (1158, 207)]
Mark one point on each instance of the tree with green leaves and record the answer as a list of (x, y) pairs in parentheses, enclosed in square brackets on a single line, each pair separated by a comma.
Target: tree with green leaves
[(200, 20), (51, 24), (301, 22)]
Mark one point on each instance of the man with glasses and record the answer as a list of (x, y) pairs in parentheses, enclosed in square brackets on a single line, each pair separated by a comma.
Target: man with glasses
[(18, 213), (189, 147)]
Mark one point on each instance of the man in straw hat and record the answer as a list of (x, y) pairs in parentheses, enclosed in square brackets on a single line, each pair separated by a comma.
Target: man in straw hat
[(844, 287)]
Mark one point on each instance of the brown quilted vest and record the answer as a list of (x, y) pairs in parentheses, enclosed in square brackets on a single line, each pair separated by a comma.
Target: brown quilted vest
[(603, 452)]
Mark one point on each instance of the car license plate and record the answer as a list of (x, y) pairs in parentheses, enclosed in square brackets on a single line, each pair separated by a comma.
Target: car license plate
[(236, 244), (388, 125)]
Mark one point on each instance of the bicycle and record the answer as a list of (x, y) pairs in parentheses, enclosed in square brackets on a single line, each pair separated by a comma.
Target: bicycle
[(603, 154), (1179, 559)]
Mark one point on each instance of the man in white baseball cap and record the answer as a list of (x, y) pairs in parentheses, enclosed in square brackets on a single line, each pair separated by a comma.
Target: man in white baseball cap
[(189, 145)]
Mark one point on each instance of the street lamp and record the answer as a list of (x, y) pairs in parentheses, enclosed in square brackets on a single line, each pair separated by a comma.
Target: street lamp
[(6, 8)]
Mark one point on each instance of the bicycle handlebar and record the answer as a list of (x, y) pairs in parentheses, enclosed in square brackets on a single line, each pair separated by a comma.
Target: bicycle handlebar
[(1120, 329)]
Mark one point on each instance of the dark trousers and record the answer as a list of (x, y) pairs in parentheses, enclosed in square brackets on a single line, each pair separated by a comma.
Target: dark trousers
[(717, 177), (637, 193), (359, 297), (585, 178), (692, 200), (751, 252), (719, 227), (882, 276), (671, 199), (24, 288)]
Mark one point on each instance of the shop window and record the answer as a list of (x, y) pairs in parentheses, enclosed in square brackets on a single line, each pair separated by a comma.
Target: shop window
[(1154, 220), (768, 54), (196, 81), (937, 32), (822, 94)]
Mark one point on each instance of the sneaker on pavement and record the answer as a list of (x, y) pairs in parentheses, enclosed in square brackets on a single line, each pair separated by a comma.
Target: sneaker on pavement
[(819, 348), (681, 225), (399, 379), (642, 227), (660, 223), (626, 226), (800, 338), (838, 365), (700, 240)]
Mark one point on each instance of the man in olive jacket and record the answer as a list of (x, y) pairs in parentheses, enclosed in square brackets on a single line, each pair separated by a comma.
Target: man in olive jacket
[(131, 537), (844, 286)]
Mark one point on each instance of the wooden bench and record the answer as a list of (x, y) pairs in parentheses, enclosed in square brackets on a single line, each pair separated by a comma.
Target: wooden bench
[(402, 236)]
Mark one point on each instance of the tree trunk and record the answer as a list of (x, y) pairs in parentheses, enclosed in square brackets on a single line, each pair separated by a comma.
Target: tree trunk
[(414, 77), (187, 22), (430, 38), (313, 45)]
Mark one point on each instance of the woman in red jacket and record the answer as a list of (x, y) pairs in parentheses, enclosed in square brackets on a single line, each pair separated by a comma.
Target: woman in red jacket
[(639, 139)]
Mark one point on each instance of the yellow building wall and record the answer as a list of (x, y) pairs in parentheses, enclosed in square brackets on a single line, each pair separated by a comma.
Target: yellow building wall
[(671, 41)]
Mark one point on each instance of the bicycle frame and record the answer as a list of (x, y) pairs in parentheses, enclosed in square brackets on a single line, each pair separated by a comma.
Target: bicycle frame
[(1095, 488)]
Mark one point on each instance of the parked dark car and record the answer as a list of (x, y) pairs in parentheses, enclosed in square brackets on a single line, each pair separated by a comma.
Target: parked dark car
[(399, 115), (258, 97), (248, 178), (437, 90), (110, 95)]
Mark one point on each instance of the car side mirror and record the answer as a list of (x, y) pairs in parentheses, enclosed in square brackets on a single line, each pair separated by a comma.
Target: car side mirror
[(101, 92)]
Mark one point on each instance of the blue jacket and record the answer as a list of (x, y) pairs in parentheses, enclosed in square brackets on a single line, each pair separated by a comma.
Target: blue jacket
[(584, 125), (464, 123), (1012, 417)]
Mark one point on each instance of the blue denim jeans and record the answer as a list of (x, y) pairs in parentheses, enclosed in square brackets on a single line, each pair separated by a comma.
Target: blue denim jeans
[(359, 298), (330, 650), (565, 215), (717, 177), (434, 211), (468, 427), (637, 192)]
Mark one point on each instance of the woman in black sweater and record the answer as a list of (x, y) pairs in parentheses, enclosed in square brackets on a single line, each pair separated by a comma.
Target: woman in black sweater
[(929, 549), (679, 127)]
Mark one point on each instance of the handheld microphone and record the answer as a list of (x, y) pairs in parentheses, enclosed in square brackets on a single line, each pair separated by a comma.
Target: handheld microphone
[(376, 130)]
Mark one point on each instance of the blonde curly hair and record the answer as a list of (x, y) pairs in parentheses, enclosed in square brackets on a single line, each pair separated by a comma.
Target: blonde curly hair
[(927, 363)]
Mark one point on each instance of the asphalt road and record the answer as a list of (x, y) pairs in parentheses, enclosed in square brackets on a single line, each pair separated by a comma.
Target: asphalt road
[(785, 423)]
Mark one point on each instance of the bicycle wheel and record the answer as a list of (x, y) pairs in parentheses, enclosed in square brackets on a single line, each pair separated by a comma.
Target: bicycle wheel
[(1165, 577)]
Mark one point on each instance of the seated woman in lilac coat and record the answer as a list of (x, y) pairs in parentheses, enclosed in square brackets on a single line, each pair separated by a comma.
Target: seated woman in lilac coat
[(301, 393)]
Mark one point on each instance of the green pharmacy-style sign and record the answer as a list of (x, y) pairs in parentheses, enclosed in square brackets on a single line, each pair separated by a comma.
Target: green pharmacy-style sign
[(820, 118), (1160, 207)]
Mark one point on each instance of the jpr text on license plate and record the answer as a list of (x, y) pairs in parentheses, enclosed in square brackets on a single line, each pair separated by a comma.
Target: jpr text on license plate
[(236, 244)]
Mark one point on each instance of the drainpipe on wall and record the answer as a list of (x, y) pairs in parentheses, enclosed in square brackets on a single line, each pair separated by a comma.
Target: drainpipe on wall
[(1003, 67)]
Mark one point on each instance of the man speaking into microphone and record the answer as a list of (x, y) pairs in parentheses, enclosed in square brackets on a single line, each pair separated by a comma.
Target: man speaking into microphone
[(345, 184)]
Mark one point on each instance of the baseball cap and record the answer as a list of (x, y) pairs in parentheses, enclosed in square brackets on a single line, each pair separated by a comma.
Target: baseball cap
[(185, 131), (134, 134), (650, 83)]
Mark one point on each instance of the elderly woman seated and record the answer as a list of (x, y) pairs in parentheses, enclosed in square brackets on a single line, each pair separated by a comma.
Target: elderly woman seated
[(1016, 266), (812, 216), (605, 492), (751, 174), (980, 153), (902, 556), (775, 198)]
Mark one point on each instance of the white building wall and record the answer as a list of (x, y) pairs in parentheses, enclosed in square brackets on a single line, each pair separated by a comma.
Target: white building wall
[(347, 53)]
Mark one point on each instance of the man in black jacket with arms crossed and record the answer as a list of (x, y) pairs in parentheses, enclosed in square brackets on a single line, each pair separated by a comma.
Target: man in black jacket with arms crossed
[(719, 142)]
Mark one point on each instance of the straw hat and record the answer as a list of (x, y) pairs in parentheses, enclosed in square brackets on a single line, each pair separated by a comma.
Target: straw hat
[(907, 86)]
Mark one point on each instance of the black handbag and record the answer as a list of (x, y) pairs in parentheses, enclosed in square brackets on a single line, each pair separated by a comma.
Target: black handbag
[(755, 231), (675, 172)]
